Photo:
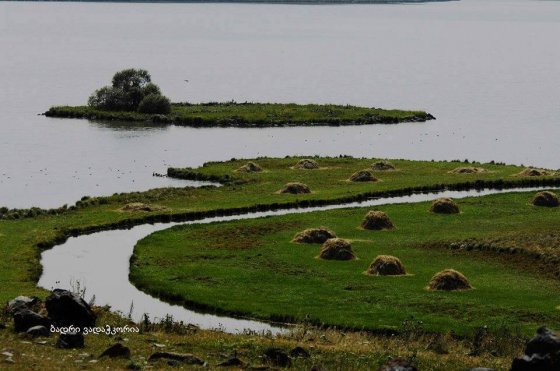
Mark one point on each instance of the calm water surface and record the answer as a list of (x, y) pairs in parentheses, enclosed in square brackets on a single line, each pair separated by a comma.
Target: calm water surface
[(488, 70)]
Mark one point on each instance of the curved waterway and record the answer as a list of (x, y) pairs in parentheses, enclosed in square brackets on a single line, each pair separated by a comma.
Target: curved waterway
[(99, 262)]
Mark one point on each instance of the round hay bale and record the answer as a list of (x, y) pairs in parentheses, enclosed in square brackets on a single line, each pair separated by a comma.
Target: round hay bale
[(546, 198), (535, 172), (139, 206), (337, 249), (295, 188), (377, 220), (363, 176), (383, 166), (314, 235), (386, 265), (444, 205), (449, 280), (250, 167), (306, 164), (468, 170)]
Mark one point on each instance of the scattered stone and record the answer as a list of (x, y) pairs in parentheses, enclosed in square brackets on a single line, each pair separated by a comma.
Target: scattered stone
[(232, 362), (277, 357), (116, 351), (383, 166), (37, 331), (181, 357), (543, 343), (546, 198), (449, 280), (140, 206), (299, 352), (25, 318), (386, 265), (42, 342), (21, 302), (314, 235), (66, 308), (295, 188), (468, 170), (398, 365), (363, 176), (444, 205), (157, 345), (70, 341), (535, 172), (337, 249), (377, 220), (250, 167), (132, 366), (306, 164)]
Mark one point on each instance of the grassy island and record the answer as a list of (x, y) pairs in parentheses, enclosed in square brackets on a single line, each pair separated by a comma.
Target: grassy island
[(419, 240), (246, 115)]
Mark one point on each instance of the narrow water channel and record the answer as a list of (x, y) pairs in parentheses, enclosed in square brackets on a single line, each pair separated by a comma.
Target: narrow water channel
[(99, 262)]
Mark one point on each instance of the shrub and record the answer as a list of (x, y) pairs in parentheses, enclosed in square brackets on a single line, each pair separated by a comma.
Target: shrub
[(155, 103)]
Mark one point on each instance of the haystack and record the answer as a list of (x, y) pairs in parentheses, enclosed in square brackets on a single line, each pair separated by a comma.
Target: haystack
[(295, 188), (468, 170), (306, 164), (337, 249), (250, 167), (363, 176), (444, 206), (314, 235), (383, 166), (377, 220), (139, 206), (386, 265), (449, 280), (546, 198), (535, 172)]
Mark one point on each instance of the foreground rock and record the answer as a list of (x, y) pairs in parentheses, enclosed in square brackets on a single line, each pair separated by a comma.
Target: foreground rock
[(546, 198), (70, 341), (186, 358), (377, 220), (314, 235), (116, 351), (22, 302), (37, 331), (68, 309), (277, 357), (542, 353), (337, 249), (449, 280), (24, 319), (386, 265)]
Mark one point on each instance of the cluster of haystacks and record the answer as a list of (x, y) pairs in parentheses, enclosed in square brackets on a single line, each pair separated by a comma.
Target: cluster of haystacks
[(535, 172), (140, 206), (314, 235), (295, 188), (250, 167), (468, 170), (386, 265), (377, 220), (363, 176), (306, 164), (449, 280), (546, 198), (444, 205), (383, 166), (337, 249)]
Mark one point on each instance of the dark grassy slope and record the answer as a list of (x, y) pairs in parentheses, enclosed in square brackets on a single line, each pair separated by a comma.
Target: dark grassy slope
[(252, 268), (252, 115)]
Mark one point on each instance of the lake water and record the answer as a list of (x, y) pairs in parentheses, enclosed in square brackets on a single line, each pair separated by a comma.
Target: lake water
[(488, 70)]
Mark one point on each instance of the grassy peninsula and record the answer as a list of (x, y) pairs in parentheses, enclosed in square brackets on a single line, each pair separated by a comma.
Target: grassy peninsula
[(256, 185), (231, 114)]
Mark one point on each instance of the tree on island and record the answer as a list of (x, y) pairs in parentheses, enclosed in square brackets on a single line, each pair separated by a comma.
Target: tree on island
[(131, 90)]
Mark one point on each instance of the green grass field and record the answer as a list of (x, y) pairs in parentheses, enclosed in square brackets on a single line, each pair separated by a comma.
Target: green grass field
[(252, 268), (252, 115)]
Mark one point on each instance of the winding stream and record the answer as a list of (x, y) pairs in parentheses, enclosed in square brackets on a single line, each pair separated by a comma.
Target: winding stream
[(100, 263)]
